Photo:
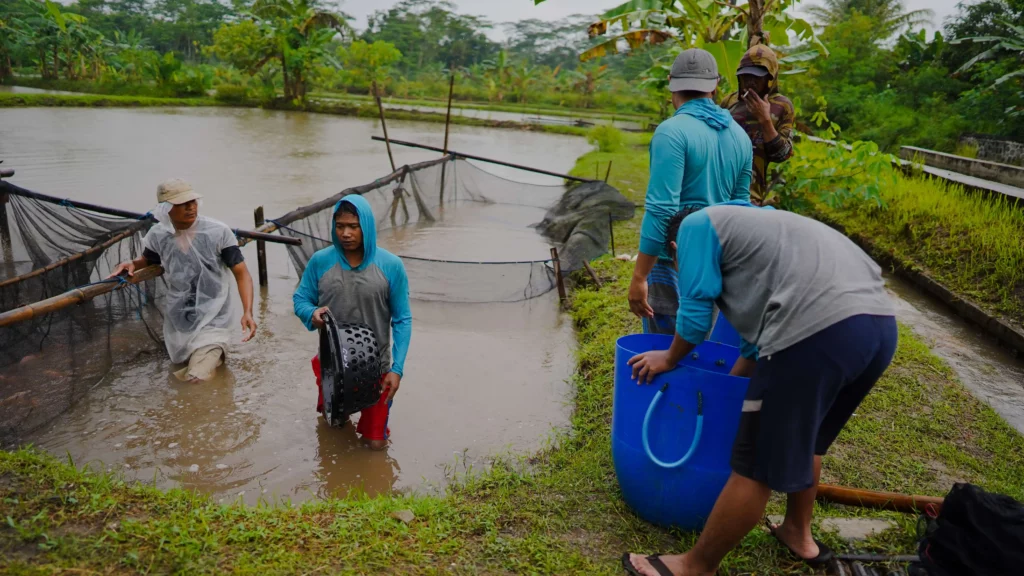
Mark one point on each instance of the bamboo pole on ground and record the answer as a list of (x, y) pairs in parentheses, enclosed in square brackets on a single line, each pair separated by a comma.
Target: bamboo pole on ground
[(559, 280), (383, 125), (75, 296), (261, 247), (878, 500)]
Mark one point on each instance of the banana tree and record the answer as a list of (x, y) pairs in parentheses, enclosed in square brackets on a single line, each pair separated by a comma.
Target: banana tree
[(1011, 44), (498, 71), (524, 77), (301, 32), (722, 28)]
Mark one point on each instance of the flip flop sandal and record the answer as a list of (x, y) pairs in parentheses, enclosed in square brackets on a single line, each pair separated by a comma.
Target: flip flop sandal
[(655, 561), (825, 554)]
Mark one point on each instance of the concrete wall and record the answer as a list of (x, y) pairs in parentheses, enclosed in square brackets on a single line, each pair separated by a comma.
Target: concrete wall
[(994, 171), (992, 149)]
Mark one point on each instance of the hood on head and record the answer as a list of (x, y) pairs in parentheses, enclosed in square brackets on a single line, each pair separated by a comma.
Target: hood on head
[(761, 55), (706, 110), (366, 222)]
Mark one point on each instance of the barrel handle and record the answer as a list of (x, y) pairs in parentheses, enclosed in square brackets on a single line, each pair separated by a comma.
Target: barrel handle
[(696, 433)]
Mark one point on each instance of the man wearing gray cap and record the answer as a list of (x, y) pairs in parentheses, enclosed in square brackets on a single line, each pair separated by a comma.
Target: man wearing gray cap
[(199, 255), (699, 157)]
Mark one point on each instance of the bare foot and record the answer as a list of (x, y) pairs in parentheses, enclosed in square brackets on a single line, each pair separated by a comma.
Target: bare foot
[(797, 539), (677, 564)]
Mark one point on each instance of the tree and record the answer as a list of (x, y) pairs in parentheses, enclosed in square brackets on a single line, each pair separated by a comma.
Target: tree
[(295, 33), (369, 63), (429, 32), (890, 16)]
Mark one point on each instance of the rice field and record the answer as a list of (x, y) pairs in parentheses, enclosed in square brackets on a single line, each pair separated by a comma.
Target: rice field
[(970, 242)]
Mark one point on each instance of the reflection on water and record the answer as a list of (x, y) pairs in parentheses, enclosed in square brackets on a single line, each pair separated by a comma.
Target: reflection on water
[(989, 371), (480, 378)]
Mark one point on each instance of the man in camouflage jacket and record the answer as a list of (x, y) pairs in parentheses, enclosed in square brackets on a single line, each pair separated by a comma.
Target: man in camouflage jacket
[(766, 115)]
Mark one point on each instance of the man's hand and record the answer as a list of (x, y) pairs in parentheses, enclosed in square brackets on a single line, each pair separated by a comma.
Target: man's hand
[(638, 298), (759, 107), (318, 317), (248, 327), (122, 267), (649, 364), (391, 383)]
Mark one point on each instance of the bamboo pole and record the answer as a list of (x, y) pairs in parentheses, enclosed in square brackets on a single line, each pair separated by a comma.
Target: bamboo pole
[(608, 172), (98, 248), (315, 207), (383, 124), (7, 187), (261, 247), (559, 281), (455, 154), (447, 129), (74, 296), (878, 500)]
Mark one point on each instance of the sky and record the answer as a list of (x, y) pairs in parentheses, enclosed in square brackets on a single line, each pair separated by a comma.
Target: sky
[(498, 11)]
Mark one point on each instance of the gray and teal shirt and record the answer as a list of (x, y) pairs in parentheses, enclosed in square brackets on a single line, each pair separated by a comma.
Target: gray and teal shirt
[(375, 293), (777, 276)]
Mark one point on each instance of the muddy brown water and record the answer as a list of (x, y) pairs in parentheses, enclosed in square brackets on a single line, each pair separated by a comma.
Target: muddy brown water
[(481, 379)]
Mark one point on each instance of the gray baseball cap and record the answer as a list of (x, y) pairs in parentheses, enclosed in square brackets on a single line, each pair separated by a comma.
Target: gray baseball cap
[(694, 69)]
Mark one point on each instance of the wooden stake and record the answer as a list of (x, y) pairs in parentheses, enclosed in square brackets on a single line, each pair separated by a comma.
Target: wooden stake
[(5, 230), (261, 247), (608, 172), (559, 281), (447, 128), (593, 274), (611, 232), (384, 125)]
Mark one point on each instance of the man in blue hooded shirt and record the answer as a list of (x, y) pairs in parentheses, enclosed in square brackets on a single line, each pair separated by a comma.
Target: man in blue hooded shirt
[(360, 282), (699, 157)]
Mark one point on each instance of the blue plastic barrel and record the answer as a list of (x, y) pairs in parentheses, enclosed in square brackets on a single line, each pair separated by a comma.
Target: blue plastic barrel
[(724, 333), (689, 417)]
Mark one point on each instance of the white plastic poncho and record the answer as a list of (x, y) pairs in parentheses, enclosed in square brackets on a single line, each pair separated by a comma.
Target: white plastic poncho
[(199, 310)]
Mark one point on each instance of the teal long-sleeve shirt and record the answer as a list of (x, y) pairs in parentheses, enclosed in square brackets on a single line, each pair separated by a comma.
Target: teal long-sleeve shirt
[(699, 157)]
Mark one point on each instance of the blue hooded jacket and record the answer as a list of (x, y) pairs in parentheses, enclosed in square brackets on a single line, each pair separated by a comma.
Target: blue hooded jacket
[(699, 157), (375, 293)]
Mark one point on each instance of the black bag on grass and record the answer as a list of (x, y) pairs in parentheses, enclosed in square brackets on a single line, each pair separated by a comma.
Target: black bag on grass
[(978, 533), (350, 369)]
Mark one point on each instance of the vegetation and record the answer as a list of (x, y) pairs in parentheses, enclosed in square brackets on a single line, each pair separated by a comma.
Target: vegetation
[(557, 513), (968, 242)]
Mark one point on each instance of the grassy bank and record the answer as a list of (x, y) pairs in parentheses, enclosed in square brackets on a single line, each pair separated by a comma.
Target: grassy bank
[(8, 100), (970, 243), (557, 512)]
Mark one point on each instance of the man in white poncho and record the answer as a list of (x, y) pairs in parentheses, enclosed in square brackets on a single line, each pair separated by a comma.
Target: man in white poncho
[(199, 255)]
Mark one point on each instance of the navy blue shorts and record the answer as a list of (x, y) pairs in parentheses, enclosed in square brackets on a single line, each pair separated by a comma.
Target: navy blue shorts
[(801, 397)]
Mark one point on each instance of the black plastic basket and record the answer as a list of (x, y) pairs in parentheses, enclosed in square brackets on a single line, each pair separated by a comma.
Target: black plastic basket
[(350, 369)]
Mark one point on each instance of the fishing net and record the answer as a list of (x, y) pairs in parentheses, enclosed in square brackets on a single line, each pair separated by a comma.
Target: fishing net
[(440, 195), (48, 361)]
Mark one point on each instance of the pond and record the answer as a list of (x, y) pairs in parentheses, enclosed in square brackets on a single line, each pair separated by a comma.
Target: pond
[(481, 379)]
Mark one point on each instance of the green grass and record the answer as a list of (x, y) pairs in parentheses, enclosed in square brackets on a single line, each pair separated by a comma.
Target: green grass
[(971, 243), (8, 100), (558, 512)]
